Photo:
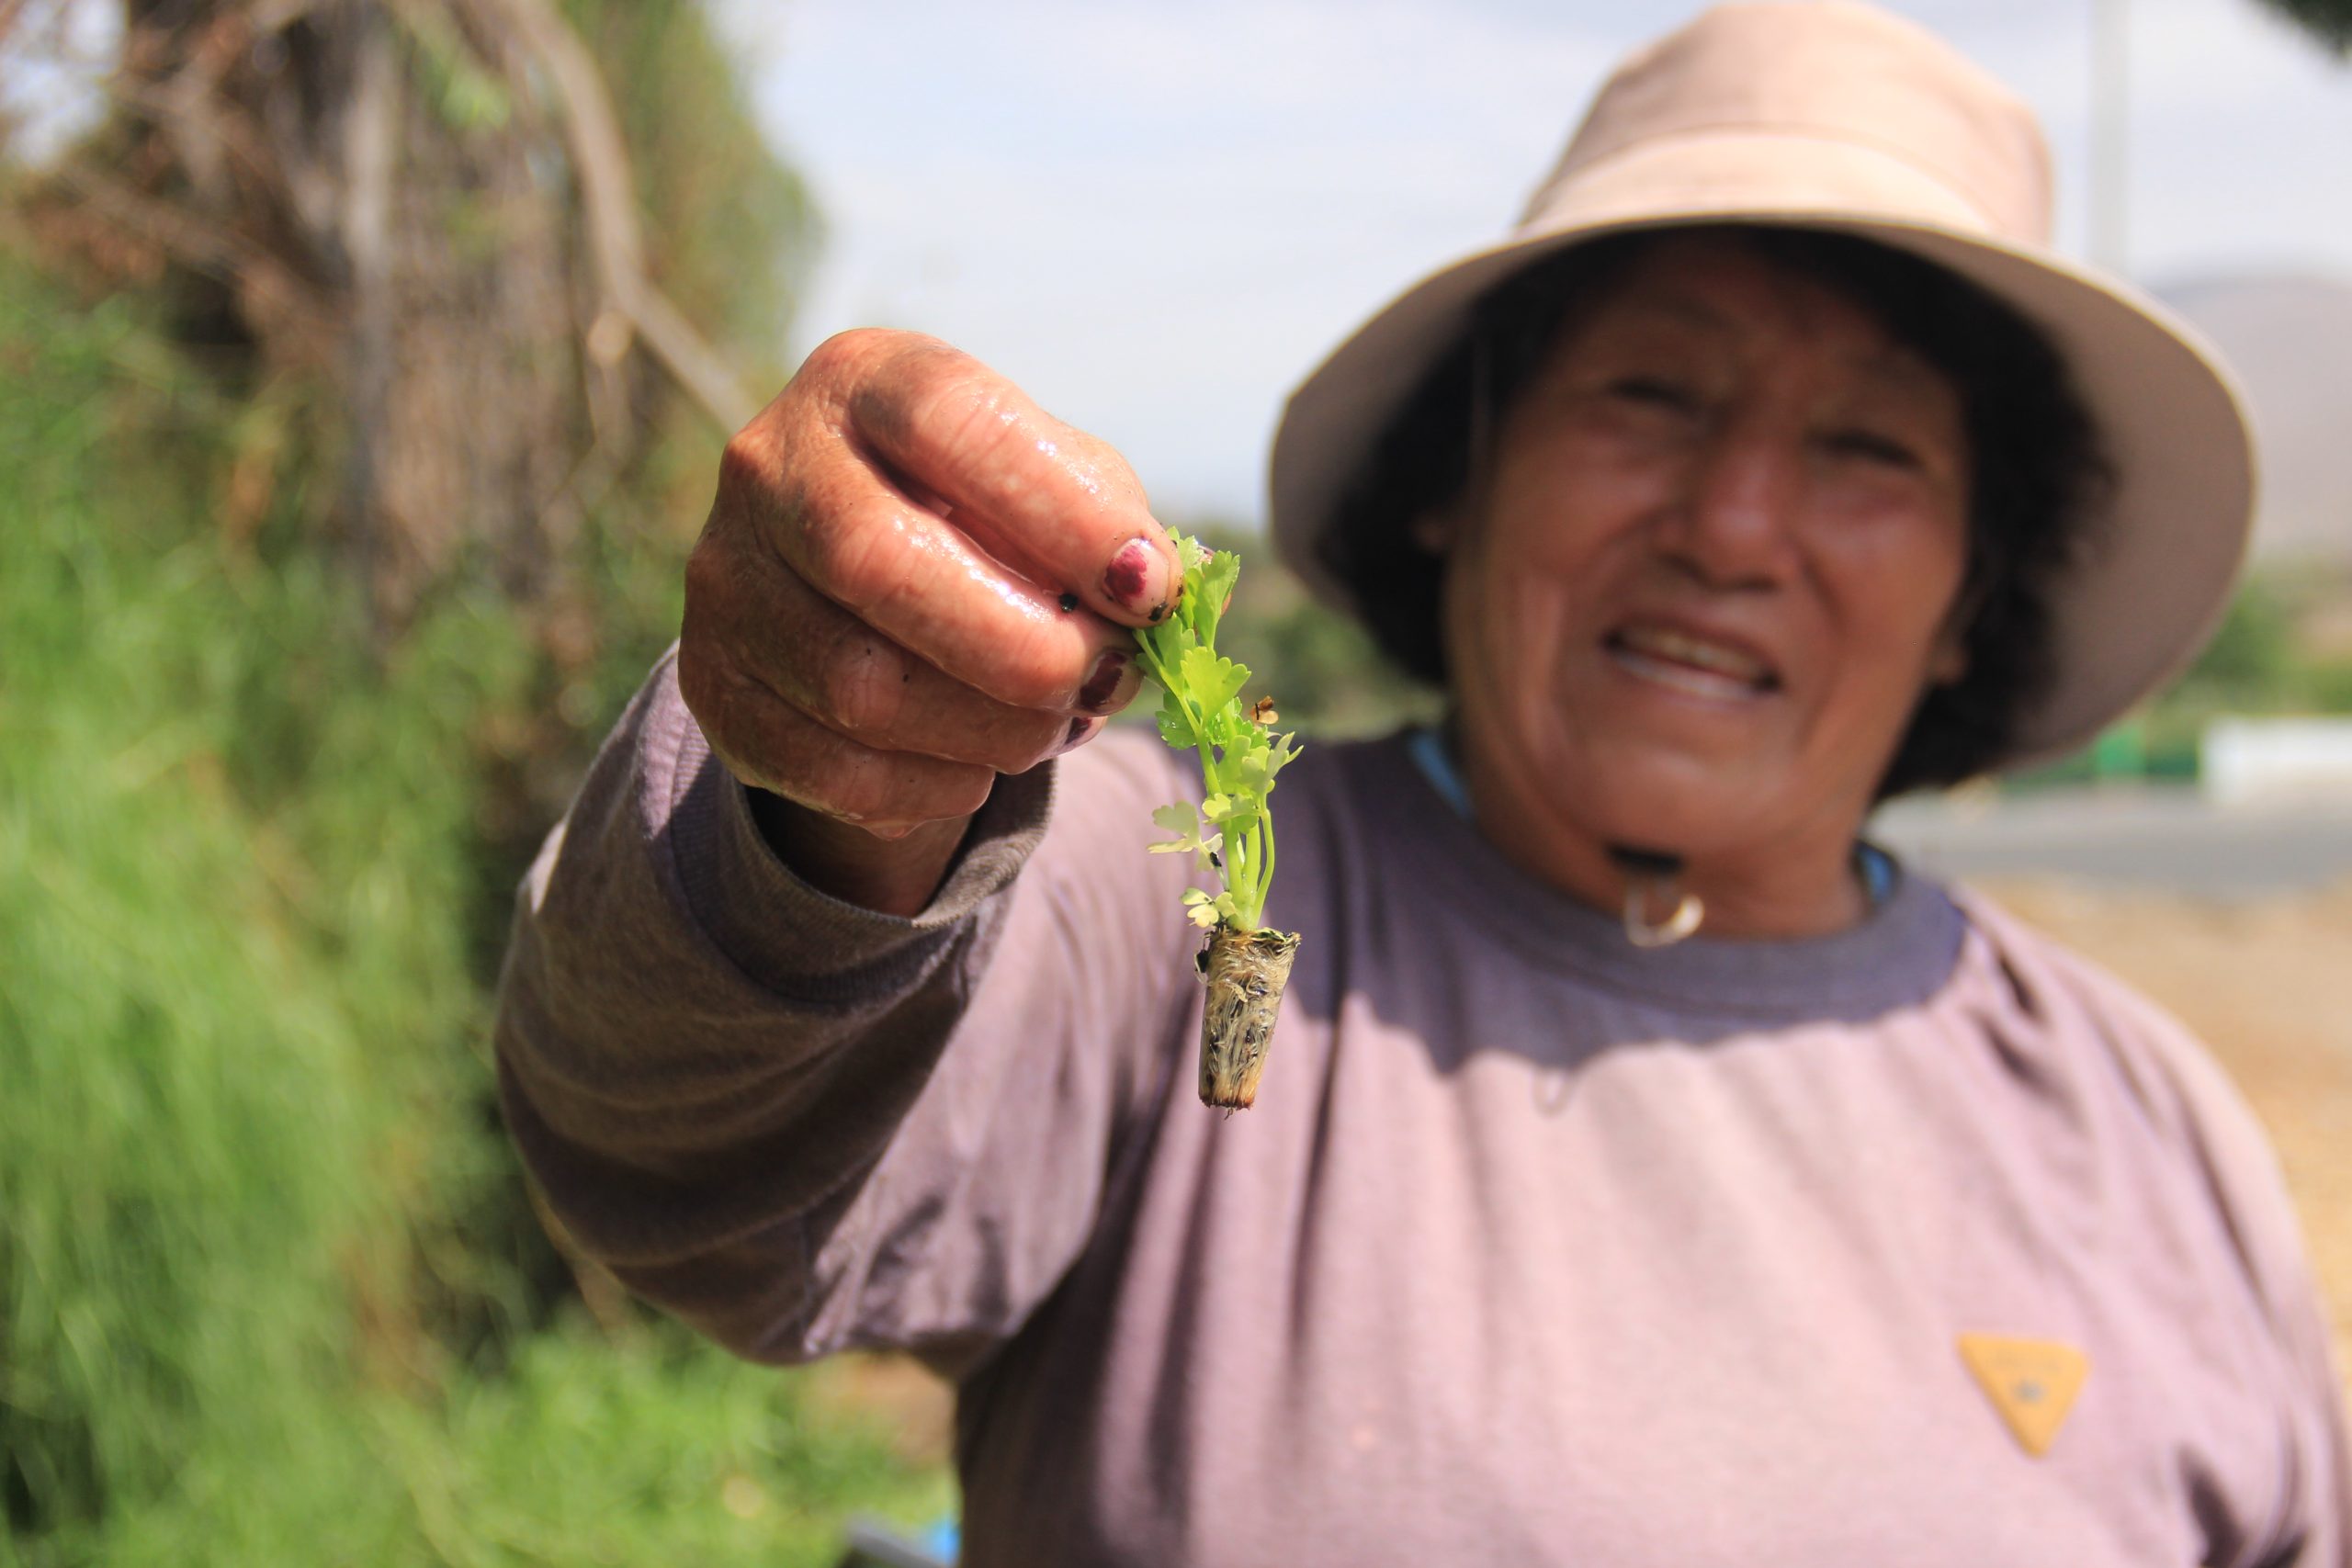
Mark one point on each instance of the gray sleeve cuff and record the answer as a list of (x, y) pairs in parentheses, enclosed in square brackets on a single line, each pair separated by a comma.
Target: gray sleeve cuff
[(792, 939)]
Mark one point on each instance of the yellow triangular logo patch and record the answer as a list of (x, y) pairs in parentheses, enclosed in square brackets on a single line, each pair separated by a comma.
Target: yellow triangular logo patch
[(2032, 1383)]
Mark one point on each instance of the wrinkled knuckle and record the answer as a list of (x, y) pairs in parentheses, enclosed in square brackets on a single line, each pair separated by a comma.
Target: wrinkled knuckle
[(721, 700), (968, 791), (921, 358), (709, 575), (837, 548), (746, 463), (879, 375), (792, 767), (1028, 686), (845, 353), (697, 676), (1032, 670), (1114, 478), (962, 408), (1036, 741), (864, 687), (1003, 748), (863, 786)]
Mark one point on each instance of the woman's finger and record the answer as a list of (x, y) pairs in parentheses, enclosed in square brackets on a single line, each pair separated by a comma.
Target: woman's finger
[(769, 744), (849, 677), (1057, 504), (923, 582)]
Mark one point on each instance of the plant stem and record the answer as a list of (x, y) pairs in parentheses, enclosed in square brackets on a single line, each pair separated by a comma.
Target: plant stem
[(1265, 869)]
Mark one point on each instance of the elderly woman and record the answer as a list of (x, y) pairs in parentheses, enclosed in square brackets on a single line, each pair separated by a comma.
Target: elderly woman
[(1772, 466)]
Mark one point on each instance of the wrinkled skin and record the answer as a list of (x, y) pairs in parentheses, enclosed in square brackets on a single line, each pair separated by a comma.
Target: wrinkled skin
[(912, 580)]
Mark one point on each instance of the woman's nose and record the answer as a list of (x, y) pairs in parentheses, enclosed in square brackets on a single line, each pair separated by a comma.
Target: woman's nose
[(1734, 524)]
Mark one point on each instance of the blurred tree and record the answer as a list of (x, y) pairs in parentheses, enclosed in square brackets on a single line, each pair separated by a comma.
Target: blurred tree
[(439, 260), (425, 215), (2250, 659), (2330, 21)]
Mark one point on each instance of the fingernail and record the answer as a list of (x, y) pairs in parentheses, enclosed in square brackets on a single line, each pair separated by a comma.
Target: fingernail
[(1136, 577), (1082, 730), (1102, 685)]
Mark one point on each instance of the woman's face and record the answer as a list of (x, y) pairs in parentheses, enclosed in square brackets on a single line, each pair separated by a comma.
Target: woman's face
[(1708, 575)]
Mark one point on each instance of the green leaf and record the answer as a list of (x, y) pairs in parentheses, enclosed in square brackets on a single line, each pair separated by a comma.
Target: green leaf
[(1209, 682), (1183, 820), (1163, 643), (1210, 593), (1194, 556), (1220, 808), (1182, 817), (1205, 911), (1253, 772), (1175, 724)]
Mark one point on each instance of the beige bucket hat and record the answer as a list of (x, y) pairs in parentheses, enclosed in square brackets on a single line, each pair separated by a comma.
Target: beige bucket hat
[(1829, 114)]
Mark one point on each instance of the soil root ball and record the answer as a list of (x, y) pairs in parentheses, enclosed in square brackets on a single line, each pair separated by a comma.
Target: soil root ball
[(1245, 972)]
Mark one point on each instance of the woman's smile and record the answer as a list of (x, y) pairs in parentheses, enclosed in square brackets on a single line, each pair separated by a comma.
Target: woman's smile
[(1689, 662)]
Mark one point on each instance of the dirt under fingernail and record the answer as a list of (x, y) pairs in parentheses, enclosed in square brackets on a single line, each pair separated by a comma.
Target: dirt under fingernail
[(1103, 684)]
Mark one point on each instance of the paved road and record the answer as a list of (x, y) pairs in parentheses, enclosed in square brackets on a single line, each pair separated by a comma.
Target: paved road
[(2166, 838)]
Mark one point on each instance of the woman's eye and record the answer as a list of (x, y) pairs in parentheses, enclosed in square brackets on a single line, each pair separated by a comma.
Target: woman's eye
[(1872, 447), (1653, 392)]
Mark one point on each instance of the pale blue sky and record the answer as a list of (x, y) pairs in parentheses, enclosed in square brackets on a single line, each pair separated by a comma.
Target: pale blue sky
[(1157, 216)]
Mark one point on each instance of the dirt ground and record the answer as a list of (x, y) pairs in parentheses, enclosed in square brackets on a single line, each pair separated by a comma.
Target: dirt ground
[(2267, 983)]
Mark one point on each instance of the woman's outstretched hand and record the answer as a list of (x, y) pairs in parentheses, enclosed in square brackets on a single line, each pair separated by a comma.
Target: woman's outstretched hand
[(912, 580)]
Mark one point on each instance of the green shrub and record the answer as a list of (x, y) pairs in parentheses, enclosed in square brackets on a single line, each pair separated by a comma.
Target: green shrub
[(266, 1289), (188, 1102)]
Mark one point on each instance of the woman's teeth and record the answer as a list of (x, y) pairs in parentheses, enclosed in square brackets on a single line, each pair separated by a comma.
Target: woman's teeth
[(1690, 664)]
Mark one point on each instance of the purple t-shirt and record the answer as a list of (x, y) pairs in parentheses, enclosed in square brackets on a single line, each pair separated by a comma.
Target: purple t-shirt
[(1924, 1243)]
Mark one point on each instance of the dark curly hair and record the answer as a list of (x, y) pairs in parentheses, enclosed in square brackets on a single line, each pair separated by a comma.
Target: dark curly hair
[(2037, 471)]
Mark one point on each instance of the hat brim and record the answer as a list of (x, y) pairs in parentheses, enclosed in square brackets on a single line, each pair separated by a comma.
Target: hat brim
[(2157, 568)]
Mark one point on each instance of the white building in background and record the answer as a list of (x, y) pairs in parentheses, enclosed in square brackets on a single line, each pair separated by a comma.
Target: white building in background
[(2250, 759)]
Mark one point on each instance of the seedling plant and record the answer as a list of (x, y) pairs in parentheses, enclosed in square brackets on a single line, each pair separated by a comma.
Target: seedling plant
[(1231, 832)]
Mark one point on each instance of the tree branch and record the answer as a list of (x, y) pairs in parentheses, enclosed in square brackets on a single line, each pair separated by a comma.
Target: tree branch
[(204, 248), (600, 163)]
